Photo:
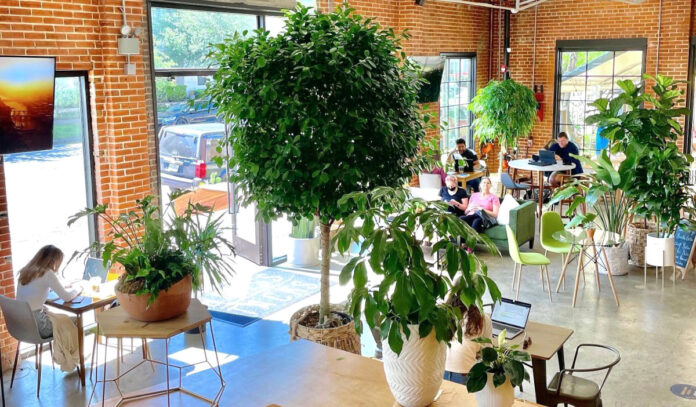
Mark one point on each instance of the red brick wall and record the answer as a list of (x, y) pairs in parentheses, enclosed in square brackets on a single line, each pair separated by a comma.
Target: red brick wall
[(82, 35)]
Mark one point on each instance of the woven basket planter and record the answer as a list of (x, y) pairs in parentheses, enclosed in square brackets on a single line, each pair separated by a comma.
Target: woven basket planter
[(343, 337), (636, 237)]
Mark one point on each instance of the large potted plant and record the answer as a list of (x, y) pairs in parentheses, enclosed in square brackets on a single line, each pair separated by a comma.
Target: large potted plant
[(325, 108), (304, 244), (498, 372), (645, 126), (504, 111), (402, 294), (602, 191), (163, 260)]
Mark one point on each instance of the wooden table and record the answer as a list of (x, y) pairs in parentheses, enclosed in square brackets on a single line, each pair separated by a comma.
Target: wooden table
[(524, 165), (305, 374), (463, 177), (116, 323), (88, 303)]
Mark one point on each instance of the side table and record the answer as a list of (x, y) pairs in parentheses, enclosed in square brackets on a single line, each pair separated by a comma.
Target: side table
[(115, 323)]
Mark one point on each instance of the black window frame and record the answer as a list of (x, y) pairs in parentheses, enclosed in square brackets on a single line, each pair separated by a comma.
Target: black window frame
[(614, 44), (472, 92), (690, 86)]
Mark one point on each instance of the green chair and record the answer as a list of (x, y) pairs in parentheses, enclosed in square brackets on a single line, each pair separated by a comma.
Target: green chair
[(551, 223), (522, 224), (526, 259)]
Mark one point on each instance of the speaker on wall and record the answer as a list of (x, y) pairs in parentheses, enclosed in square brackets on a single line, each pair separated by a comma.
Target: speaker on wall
[(420, 2)]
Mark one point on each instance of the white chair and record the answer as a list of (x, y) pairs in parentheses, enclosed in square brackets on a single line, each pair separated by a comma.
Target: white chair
[(430, 181)]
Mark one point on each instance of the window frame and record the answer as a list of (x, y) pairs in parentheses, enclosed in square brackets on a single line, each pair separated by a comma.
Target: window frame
[(615, 45), (472, 92)]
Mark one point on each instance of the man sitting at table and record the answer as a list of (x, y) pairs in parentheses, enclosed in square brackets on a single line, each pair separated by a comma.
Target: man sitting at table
[(563, 149), (455, 197), (469, 163)]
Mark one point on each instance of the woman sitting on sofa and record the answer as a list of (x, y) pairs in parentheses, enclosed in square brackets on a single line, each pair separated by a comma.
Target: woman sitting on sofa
[(482, 210)]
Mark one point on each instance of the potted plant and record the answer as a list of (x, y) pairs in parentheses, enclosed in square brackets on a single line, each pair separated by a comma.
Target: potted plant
[(325, 108), (645, 126), (601, 190), (407, 297), (304, 245), (498, 372), (163, 260), (504, 111)]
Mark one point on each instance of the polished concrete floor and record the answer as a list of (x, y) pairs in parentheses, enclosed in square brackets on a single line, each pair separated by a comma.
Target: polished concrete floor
[(653, 328)]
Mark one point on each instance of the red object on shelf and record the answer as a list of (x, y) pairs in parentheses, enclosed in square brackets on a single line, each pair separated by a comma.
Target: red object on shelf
[(539, 96), (200, 170)]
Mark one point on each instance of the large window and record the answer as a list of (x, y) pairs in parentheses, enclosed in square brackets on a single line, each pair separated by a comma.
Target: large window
[(585, 72), (457, 89)]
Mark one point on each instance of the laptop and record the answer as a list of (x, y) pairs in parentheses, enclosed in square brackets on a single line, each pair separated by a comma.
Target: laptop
[(510, 315), (545, 157)]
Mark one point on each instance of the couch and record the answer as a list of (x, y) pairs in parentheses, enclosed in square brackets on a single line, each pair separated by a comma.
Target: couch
[(522, 224)]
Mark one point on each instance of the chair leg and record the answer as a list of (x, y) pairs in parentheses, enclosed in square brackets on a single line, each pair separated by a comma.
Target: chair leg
[(519, 280), (36, 354), (95, 350), (50, 349), (14, 368), (38, 379), (548, 281)]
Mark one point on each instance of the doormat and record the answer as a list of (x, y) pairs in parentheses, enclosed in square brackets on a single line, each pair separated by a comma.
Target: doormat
[(685, 391), (234, 319), (266, 292)]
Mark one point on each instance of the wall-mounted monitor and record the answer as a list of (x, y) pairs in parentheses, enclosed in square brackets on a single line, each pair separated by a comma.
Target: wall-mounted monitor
[(26, 103), (432, 68)]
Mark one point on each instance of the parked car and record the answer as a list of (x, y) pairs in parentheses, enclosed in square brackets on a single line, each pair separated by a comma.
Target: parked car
[(184, 113), (186, 154)]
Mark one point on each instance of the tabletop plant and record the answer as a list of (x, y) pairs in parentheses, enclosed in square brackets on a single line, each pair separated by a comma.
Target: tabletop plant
[(504, 111), (502, 362), (325, 108), (156, 253), (391, 230)]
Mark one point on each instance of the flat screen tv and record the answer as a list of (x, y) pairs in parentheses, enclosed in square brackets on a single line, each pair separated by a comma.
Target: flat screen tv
[(26, 103), (432, 68)]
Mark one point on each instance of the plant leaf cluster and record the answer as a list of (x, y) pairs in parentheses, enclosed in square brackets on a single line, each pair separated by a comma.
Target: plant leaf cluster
[(502, 361), (391, 229)]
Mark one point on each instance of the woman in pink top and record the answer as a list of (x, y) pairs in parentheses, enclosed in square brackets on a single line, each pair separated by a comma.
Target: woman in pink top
[(482, 211)]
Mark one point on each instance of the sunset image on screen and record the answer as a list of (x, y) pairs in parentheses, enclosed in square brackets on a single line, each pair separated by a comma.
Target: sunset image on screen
[(26, 104)]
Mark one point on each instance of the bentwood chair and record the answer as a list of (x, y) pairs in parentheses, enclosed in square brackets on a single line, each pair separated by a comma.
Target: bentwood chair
[(566, 387), (22, 326), (526, 259)]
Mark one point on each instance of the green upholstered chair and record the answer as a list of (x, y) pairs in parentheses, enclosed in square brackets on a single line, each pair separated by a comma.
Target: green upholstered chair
[(522, 224), (526, 259), (551, 223)]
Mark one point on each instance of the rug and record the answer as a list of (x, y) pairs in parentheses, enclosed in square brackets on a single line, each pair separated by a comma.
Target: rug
[(268, 291)]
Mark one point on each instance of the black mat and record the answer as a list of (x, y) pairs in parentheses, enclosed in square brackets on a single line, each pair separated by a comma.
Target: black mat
[(234, 319)]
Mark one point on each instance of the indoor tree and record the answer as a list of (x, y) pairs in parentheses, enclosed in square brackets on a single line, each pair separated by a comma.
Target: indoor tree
[(504, 111), (325, 108)]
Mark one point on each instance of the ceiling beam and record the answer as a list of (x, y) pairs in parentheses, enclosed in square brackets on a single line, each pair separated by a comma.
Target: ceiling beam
[(519, 5)]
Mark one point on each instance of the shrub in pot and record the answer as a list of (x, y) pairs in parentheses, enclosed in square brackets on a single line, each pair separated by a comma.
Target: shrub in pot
[(497, 373), (163, 259), (325, 108), (407, 299), (304, 244)]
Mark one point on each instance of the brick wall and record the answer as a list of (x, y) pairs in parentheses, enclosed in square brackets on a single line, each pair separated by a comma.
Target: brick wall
[(82, 35)]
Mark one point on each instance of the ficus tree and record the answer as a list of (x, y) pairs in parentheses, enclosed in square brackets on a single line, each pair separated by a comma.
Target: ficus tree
[(325, 108), (504, 111)]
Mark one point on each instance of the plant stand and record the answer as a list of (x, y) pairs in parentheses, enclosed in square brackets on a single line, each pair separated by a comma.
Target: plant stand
[(662, 266)]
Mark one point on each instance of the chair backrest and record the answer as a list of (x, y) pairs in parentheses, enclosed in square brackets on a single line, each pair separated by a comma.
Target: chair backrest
[(513, 248), (94, 267), (607, 367), (507, 181), (551, 223), (432, 181), (20, 320)]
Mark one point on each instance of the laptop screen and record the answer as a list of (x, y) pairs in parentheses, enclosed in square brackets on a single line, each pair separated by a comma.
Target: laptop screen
[(511, 312)]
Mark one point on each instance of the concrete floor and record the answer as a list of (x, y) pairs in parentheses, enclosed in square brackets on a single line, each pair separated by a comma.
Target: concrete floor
[(653, 328)]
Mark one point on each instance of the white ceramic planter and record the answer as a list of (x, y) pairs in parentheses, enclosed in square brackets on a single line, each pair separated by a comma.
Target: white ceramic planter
[(304, 252), (491, 396), (416, 374), (618, 260), (659, 250)]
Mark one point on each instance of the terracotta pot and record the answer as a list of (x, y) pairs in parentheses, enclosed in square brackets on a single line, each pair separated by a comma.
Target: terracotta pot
[(590, 233), (169, 303)]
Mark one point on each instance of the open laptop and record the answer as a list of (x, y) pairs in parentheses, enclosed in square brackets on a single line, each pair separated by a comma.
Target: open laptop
[(510, 315), (545, 157)]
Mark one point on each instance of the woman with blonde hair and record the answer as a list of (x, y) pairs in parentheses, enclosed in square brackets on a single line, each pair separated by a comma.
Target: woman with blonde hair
[(36, 279)]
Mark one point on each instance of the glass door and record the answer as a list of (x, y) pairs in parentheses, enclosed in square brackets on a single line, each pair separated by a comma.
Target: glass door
[(249, 235)]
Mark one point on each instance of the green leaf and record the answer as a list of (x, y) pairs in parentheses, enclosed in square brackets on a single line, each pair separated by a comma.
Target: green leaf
[(347, 271), (396, 342), (499, 379), (360, 275), (488, 354)]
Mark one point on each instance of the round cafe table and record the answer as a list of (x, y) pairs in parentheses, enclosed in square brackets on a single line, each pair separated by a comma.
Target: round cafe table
[(597, 244), (523, 164)]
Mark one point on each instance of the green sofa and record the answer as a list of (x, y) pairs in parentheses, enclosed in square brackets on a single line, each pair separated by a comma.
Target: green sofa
[(522, 224)]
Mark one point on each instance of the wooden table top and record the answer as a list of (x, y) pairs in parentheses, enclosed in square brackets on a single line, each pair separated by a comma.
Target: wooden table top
[(546, 339), (115, 323), (305, 374), (465, 176), (88, 300)]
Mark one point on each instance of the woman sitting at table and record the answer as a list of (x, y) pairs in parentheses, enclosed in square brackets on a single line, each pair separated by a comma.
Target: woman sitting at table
[(482, 211), (36, 279), (455, 197)]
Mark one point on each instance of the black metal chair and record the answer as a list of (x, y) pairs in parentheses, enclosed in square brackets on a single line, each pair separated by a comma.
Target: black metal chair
[(508, 183), (567, 388)]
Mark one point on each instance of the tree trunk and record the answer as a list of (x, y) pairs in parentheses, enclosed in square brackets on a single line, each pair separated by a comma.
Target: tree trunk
[(324, 308)]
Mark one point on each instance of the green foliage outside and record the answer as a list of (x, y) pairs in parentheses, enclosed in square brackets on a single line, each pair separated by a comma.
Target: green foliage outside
[(502, 361), (391, 229), (168, 91), (326, 108)]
